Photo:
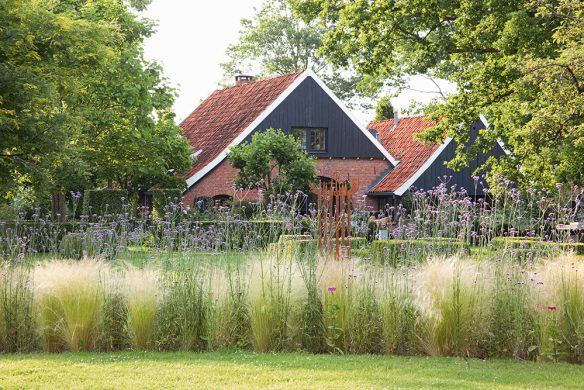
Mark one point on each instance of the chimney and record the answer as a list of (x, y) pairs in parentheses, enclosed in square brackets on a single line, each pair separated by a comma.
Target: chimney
[(395, 119), (243, 79)]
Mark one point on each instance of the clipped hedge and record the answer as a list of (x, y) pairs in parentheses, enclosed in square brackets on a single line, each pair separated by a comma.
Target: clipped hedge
[(106, 201), (164, 197), (536, 245), (396, 252)]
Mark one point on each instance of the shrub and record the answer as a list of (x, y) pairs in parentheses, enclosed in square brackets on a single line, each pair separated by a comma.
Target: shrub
[(106, 201)]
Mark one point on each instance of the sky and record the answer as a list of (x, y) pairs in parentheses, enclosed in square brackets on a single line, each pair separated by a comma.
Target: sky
[(190, 43)]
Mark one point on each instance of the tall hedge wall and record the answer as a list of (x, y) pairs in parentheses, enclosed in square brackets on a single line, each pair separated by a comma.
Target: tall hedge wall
[(105, 201)]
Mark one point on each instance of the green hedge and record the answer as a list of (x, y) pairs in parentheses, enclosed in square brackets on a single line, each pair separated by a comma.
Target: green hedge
[(536, 245), (107, 201), (396, 252), (164, 197)]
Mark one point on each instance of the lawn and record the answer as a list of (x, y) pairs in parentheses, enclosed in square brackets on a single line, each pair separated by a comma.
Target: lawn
[(285, 370)]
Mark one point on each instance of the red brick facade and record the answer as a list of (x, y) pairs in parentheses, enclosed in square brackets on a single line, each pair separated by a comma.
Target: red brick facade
[(220, 180)]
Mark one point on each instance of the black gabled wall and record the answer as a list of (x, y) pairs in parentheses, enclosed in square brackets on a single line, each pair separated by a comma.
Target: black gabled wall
[(309, 105), (463, 178)]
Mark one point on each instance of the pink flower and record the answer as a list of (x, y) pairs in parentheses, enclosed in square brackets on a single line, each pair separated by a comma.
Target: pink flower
[(552, 307), (332, 289)]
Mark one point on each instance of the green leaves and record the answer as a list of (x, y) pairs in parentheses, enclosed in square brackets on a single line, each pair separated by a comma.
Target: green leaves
[(274, 162), (517, 62), (79, 105)]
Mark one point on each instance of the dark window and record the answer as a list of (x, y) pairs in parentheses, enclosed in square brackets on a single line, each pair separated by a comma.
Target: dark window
[(313, 139)]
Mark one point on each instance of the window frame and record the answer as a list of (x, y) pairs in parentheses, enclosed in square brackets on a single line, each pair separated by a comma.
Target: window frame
[(308, 137)]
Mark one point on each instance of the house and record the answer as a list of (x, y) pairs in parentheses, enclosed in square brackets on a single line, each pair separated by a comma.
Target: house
[(422, 166), (384, 158), (299, 104)]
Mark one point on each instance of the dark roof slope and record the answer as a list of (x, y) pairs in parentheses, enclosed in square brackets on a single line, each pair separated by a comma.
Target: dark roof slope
[(226, 113), (401, 144)]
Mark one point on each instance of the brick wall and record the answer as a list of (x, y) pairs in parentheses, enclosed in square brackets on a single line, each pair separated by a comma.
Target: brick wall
[(220, 180)]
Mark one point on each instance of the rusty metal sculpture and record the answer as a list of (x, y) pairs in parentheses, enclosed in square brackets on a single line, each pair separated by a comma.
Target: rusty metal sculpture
[(334, 203)]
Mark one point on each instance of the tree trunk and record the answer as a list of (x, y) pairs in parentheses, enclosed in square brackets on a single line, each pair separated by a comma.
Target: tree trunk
[(58, 208)]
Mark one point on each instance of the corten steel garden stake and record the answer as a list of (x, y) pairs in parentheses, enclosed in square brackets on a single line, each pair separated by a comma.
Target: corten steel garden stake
[(334, 216)]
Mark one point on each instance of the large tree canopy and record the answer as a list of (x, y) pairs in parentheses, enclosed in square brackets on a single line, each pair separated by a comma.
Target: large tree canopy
[(79, 105), (277, 41), (518, 62)]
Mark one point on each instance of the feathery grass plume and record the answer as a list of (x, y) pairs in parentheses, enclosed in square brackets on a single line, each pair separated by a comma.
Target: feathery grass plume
[(452, 294), (141, 289), (69, 300), (561, 309), (17, 325)]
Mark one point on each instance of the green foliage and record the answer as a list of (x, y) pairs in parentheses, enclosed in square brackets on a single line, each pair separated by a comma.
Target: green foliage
[(17, 322), (107, 201), (517, 62), (394, 252), (384, 109), (72, 246), (537, 245), (273, 162), (115, 323), (80, 107), (276, 41), (163, 198)]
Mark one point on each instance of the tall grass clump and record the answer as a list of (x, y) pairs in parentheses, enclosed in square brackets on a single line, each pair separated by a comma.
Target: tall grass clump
[(365, 326), (512, 325), (232, 314), (17, 323), (184, 319), (561, 310), (452, 294), (399, 314), (69, 303), (141, 290), (270, 303), (312, 327)]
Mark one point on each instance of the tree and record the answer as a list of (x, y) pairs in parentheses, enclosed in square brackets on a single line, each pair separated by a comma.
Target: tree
[(79, 105), (384, 109), (518, 62), (276, 41), (273, 162)]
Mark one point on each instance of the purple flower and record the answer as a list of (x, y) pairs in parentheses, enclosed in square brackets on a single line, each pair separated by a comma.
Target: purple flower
[(332, 289)]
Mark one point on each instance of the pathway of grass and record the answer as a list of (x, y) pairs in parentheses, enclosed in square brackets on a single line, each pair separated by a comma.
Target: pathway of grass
[(287, 370)]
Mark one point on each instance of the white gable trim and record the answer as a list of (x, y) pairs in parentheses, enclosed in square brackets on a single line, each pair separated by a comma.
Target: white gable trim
[(408, 184), (249, 129), (499, 142)]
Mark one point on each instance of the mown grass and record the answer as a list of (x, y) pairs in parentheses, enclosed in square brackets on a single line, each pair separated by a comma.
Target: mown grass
[(284, 370)]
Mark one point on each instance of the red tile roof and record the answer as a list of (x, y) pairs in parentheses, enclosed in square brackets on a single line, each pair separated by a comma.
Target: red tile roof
[(401, 144), (226, 113)]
